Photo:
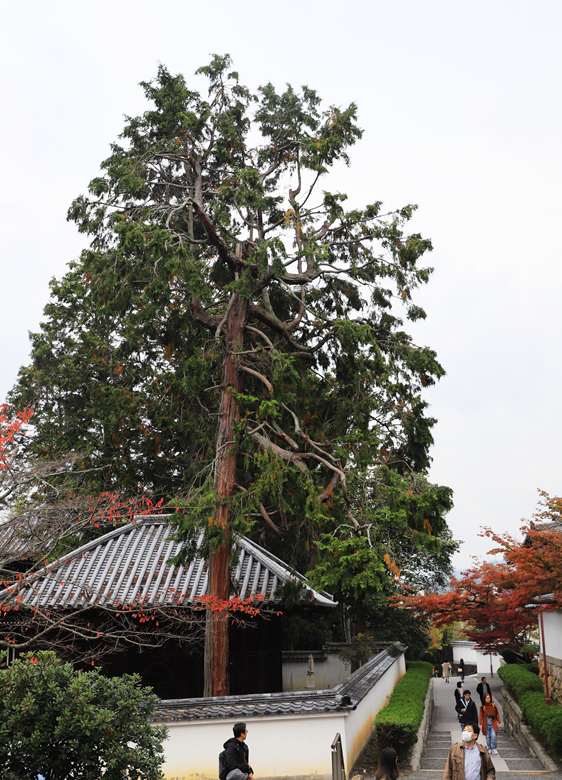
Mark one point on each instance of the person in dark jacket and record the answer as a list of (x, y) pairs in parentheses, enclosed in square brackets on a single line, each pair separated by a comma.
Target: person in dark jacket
[(458, 693), (466, 709), (238, 755), (482, 689)]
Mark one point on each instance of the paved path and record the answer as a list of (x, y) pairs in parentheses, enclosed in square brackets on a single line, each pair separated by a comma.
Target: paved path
[(445, 730)]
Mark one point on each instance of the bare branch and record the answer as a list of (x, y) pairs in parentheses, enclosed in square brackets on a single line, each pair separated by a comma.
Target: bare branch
[(259, 376), (269, 521)]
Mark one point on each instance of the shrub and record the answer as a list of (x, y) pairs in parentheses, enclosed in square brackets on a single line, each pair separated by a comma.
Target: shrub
[(520, 680), (61, 723), (398, 723), (544, 721)]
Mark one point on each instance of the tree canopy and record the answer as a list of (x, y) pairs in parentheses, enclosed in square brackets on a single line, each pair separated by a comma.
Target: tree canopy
[(492, 598), (233, 338)]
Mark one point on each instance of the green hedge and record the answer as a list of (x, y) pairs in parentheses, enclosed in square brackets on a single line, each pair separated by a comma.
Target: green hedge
[(544, 721), (398, 723), (519, 679)]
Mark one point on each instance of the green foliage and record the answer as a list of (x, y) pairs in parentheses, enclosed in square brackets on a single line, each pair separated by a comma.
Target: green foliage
[(397, 724), (310, 629), (438, 655), (360, 651), (62, 724), (519, 679), (209, 208), (545, 721)]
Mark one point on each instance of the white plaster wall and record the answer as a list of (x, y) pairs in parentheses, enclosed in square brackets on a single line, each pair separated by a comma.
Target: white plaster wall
[(471, 655), (286, 746), (360, 722), (552, 633), (279, 746), (464, 650), (327, 673)]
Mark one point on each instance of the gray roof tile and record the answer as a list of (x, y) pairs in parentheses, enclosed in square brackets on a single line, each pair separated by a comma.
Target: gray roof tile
[(344, 696), (131, 565)]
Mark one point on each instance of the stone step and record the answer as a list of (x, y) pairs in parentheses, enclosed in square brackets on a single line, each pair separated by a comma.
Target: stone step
[(432, 763), (523, 764), (508, 752)]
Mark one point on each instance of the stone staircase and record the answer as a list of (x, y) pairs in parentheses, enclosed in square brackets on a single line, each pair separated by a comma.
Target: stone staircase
[(515, 757), (436, 750)]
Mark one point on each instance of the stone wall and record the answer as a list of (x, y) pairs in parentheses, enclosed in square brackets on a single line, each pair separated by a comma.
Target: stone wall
[(515, 725), (554, 668)]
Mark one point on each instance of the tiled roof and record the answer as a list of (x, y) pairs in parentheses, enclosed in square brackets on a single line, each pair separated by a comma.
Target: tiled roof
[(344, 696), (22, 538), (130, 566)]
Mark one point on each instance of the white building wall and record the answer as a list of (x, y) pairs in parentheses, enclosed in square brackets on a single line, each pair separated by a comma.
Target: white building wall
[(552, 633), (284, 746), (292, 747), (328, 672), (360, 722), (472, 655)]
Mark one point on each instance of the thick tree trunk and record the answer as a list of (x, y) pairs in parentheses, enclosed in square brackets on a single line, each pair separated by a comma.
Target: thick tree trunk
[(216, 632)]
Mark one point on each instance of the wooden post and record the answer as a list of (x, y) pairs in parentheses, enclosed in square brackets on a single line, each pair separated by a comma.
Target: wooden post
[(544, 666)]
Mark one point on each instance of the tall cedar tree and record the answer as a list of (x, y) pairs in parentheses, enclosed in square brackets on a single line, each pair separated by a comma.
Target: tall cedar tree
[(231, 334)]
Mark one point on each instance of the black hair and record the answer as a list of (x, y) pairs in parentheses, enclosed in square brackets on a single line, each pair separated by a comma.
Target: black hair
[(467, 691), (475, 727), (238, 729), (459, 685), (388, 765)]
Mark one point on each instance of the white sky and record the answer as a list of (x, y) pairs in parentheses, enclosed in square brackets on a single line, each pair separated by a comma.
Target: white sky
[(461, 107)]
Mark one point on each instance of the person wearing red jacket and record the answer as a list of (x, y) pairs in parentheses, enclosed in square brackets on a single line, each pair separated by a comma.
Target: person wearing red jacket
[(490, 723)]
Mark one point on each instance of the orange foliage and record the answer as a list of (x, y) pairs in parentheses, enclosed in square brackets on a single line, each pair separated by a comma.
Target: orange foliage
[(491, 598)]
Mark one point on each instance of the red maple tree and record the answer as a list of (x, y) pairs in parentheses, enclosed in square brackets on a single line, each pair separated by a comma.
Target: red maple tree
[(492, 598)]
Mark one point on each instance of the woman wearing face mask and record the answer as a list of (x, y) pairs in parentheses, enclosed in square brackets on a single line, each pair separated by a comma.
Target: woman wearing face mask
[(467, 760), (490, 722)]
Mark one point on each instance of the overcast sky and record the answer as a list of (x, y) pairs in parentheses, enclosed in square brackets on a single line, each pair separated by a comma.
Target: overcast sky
[(461, 107)]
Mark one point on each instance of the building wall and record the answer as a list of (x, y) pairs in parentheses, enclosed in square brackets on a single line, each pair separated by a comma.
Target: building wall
[(553, 646), (329, 670), (284, 746), (552, 622), (471, 655), (177, 673), (361, 721), (292, 747)]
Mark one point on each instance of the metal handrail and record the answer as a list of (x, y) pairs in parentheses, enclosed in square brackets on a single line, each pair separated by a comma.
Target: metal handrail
[(338, 766)]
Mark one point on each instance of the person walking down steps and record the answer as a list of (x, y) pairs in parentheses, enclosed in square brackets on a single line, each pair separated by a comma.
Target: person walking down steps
[(483, 688), (458, 693), (490, 723), (467, 760), (447, 669), (466, 709)]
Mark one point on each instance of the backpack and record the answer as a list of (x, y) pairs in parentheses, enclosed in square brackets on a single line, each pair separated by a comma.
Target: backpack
[(223, 769)]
